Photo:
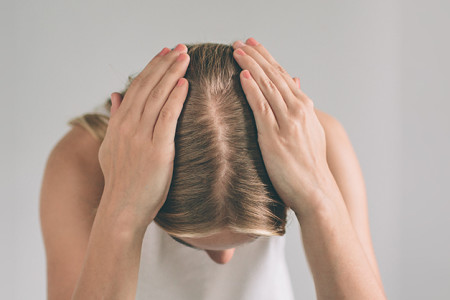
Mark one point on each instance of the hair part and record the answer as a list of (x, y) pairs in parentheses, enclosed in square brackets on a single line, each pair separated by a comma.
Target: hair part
[(219, 179)]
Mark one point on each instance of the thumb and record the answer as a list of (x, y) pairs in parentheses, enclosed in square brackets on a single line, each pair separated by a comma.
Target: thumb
[(116, 100)]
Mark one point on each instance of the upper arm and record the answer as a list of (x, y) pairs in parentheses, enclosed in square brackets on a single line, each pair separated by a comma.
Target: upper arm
[(71, 189), (344, 166)]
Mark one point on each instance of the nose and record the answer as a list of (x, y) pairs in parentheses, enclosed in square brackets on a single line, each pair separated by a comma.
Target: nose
[(221, 256)]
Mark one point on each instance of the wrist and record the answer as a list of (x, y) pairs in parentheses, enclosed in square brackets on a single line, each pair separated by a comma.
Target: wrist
[(321, 202), (121, 219), (121, 224)]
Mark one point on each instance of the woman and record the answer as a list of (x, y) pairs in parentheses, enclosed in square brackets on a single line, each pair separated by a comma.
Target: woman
[(215, 173)]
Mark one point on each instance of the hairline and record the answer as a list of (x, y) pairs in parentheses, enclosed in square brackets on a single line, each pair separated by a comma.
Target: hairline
[(189, 245)]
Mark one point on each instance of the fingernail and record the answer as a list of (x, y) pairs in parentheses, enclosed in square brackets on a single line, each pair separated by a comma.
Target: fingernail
[(252, 42), (180, 82), (240, 51), (246, 74), (164, 51), (239, 44), (181, 57), (180, 48)]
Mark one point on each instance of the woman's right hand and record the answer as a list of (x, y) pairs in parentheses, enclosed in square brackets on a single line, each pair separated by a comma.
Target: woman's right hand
[(137, 153)]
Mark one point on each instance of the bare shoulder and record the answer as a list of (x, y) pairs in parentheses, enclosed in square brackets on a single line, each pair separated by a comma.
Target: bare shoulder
[(80, 143), (77, 154), (326, 120), (71, 190)]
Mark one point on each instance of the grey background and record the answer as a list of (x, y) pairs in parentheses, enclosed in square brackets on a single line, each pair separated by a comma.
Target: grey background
[(380, 67)]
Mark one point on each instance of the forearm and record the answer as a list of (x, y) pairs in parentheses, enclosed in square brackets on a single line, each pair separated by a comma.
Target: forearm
[(338, 263), (111, 264)]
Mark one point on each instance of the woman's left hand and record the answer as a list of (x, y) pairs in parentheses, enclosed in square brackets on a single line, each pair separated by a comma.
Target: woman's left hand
[(290, 136)]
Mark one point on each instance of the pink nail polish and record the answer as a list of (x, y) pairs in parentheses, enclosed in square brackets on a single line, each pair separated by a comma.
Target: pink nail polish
[(246, 74), (240, 51), (180, 82), (239, 44), (181, 57), (252, 42), (164, 51), (180, 47)]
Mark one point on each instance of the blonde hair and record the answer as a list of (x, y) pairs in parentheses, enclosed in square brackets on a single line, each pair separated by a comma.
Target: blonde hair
[(219, 178)]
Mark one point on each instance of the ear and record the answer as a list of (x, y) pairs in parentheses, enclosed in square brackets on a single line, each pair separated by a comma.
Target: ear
[(116, 100)]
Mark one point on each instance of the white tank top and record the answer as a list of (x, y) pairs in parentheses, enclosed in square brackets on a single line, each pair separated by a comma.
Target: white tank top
[(172, 271)]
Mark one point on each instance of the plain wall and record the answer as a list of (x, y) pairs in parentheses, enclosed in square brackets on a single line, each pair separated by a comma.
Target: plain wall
[(381, 68)]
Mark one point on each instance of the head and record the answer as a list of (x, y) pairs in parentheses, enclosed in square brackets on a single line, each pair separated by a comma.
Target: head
[(220, 196)]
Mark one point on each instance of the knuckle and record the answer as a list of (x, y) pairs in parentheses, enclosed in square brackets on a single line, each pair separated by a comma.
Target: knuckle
[(173, 72), (280, 69), (173, 69), (297, 92), (157, 92), (299, 111), (263, 107), (296, 106), (166, 114), (292, 128), (272, 71), (268, 84)]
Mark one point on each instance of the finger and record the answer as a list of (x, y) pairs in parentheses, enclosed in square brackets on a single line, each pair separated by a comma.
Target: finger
[(266, 85), (160, 93), (297, 81), (116, 101), (139, 89), (114, 105), (165, 128), (133, 86), (265, 119), (265, 53), (281, 79)]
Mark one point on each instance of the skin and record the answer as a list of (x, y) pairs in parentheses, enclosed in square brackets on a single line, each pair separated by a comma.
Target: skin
[(219, 247), (136, 158)]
